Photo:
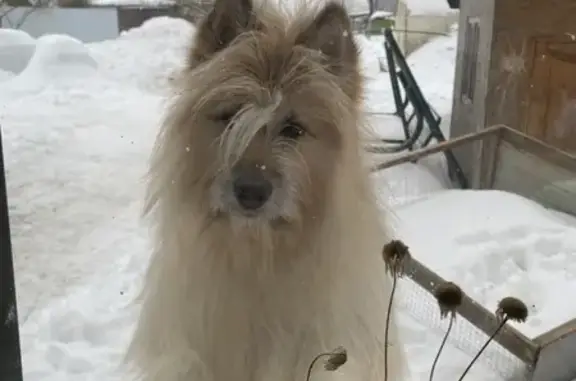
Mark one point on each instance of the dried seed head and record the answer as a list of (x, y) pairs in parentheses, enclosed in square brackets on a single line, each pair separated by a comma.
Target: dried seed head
[(337, 358), (394, 253), (449, 297), (512, 309), (508, 309)]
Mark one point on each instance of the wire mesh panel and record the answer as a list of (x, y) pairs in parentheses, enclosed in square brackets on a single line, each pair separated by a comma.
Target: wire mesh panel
[(513, 162), (508, 354)]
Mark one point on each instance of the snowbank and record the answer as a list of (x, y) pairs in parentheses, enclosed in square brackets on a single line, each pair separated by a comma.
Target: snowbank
[(405, 183), (6, 75), (163, 27), (156, 51), (59, 57), (16, 49), (372, 55), (433, 68)]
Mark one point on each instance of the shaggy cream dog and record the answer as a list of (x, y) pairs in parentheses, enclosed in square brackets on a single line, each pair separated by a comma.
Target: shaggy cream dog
[(267, 232)]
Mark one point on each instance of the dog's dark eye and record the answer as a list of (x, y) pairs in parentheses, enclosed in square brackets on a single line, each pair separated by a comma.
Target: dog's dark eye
[(225, 117), (292, 130)]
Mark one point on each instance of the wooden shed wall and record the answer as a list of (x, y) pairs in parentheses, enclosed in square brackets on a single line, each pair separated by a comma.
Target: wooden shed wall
[(532, 78)]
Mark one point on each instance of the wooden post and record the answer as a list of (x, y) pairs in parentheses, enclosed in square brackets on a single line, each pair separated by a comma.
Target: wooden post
[(10, 358)]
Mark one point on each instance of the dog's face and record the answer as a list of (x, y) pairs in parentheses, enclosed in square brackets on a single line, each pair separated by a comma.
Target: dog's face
[(267, 111)]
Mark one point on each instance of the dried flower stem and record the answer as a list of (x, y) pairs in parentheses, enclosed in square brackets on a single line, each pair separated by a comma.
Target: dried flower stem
[(336, 359), (314, 361), (394, 253), (387, 329), (451, 322), (509, 308), (449, 297), (500, 326)]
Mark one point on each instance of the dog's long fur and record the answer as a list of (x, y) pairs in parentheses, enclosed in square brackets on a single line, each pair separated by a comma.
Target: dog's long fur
[(231, 296)]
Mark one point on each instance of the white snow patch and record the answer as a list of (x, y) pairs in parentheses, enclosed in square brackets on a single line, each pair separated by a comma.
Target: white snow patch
[(372, 55)]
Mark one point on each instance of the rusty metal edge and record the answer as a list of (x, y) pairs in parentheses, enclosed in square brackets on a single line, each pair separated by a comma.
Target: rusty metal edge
[(452, 143)]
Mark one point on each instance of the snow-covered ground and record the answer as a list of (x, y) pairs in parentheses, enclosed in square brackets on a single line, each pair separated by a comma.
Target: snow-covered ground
[(78, 123)]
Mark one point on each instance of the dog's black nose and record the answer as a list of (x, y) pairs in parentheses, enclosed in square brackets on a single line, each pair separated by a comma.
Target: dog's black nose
[(252, 190)]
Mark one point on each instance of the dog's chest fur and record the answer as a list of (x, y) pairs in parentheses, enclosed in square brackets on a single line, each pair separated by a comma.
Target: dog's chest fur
[(258, 329)]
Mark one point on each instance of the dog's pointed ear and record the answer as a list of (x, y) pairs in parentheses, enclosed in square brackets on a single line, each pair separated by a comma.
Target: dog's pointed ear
[(226, 21), (330, 32)]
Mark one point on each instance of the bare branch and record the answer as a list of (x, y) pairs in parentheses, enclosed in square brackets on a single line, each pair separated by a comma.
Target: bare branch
[(7, 7)]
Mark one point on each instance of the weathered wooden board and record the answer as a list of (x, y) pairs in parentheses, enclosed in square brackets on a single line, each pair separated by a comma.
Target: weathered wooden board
[(556, 355), (475, 313)]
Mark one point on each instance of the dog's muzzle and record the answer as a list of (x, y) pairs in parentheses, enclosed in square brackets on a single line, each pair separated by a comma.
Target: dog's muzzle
[(252, 189)]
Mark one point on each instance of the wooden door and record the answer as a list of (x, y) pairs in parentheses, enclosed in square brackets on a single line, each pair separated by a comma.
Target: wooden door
[(561, 115), (551, 113), (538, 83)]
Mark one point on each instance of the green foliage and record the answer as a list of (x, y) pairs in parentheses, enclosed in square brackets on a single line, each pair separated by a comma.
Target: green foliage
[(377, 26)]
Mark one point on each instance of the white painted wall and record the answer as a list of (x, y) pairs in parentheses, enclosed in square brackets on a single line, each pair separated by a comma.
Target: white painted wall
[(84, 24)]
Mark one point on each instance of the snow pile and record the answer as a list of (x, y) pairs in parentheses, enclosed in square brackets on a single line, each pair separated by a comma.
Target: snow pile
[(433, 68), (57, 58), (16, 49), (76, 152), (404, 183), (6, 75), (84, 335), (372, 55), (429, 7), (156, 51), (496, 244), (381, 15)]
